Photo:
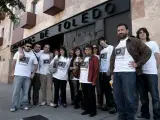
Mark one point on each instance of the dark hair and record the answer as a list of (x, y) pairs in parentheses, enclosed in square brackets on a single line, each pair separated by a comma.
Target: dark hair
[(37, 44), (88, 46), (132, 36), (28, 43), (98, 53), (65, 52), (74, 54), (101, 39), (122, 24), (145, 31)]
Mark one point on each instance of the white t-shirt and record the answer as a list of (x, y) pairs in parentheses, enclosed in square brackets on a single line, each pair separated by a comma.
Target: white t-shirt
[(84, 71), (76, 63), (105, 56), (38, 54), (150, 67), (62, 70), (44, 61), (24, 66), (123, 58)]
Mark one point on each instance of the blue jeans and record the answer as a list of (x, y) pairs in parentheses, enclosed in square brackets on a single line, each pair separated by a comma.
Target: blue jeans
[(124, 86), (20, 83), (149, 83)]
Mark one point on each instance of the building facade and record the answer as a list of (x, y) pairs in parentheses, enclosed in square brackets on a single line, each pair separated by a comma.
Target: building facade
[(75, 22)]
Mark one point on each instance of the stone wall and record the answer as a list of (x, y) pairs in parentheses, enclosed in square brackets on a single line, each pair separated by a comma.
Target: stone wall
[(146, 13), (72, 7)]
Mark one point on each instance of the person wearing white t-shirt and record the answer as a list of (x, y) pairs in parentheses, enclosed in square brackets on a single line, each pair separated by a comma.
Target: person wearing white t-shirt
[(149, 78), (89, 71), (75, 73), (60, 77), (22, 74), (46, 77), (105, 76), (35, 83), (127, 60)]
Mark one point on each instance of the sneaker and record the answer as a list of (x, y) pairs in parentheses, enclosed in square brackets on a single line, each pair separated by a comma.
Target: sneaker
[(143, 117), (105, 108), (84, 113), (43, 103), (26, 108), (64, 105), (92, 114), (112, 110), (13, 109), (55, 105), (51, 104)]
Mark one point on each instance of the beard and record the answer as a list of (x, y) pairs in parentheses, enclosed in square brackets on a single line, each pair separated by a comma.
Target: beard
[(122, 35)]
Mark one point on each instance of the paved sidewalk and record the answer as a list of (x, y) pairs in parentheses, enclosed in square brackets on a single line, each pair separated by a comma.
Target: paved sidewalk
[(51, 113)]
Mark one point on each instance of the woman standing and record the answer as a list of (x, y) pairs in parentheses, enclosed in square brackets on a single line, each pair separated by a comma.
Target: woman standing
[(88, 77), (98, 88), (60, 77), (75, 71)]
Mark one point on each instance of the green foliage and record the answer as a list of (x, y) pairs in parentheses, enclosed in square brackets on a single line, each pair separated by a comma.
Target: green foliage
[(7, 6)]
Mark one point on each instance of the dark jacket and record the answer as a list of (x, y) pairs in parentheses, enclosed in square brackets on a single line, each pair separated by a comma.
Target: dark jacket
[(93, 69), (138, 50)]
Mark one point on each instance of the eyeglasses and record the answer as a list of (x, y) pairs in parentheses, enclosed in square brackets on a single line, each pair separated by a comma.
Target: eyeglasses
[(28, 46)]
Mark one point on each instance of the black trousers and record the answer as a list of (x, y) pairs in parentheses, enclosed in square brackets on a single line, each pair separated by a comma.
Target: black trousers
[(88, 91), (106, 90), (59, 85), (71, 90), (35, 84), (99, 93)]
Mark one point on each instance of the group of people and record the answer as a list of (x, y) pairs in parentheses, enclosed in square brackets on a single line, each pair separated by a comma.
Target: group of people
[(132, 65)]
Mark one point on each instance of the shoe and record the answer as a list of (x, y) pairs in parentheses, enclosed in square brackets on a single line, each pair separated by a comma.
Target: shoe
[(64, 105), (92, 114), (55, 105), (13, 109), (26, 108), (72, 103), (76, 106), (99, 106), (143, 117), (106, 108), (112, 110), (51, 104), (84, 113), (43, 103)]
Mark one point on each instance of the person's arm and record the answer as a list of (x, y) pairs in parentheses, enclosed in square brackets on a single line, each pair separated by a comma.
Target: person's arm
[(14, 63), (112, 61), (35, 64), (156, 52), (145, 52), (21, 53), (95, 70)]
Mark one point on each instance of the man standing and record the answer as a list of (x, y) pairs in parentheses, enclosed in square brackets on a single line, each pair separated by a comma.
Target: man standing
[(46, 77), (149, 78), (128, 57), (22, 74), (35, 83), (105, 77)]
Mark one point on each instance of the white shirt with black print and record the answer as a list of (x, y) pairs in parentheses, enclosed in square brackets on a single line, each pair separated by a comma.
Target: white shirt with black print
[(84, 71), (62, 69), (123, 58), (24, 65), (44, 61), (150, 67), (105, 56)]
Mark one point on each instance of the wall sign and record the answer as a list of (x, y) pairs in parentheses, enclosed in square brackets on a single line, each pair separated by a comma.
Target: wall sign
[(106, 9)]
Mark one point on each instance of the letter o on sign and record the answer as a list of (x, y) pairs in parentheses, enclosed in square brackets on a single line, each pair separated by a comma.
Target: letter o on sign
[(67, 25), (109, 8)]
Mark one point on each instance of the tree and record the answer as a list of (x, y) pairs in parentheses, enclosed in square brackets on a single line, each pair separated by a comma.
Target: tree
[(7, 6)]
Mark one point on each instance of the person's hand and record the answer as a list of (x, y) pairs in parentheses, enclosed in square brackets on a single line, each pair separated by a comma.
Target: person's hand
[(112, 77), (32, 75), (133, 64)]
